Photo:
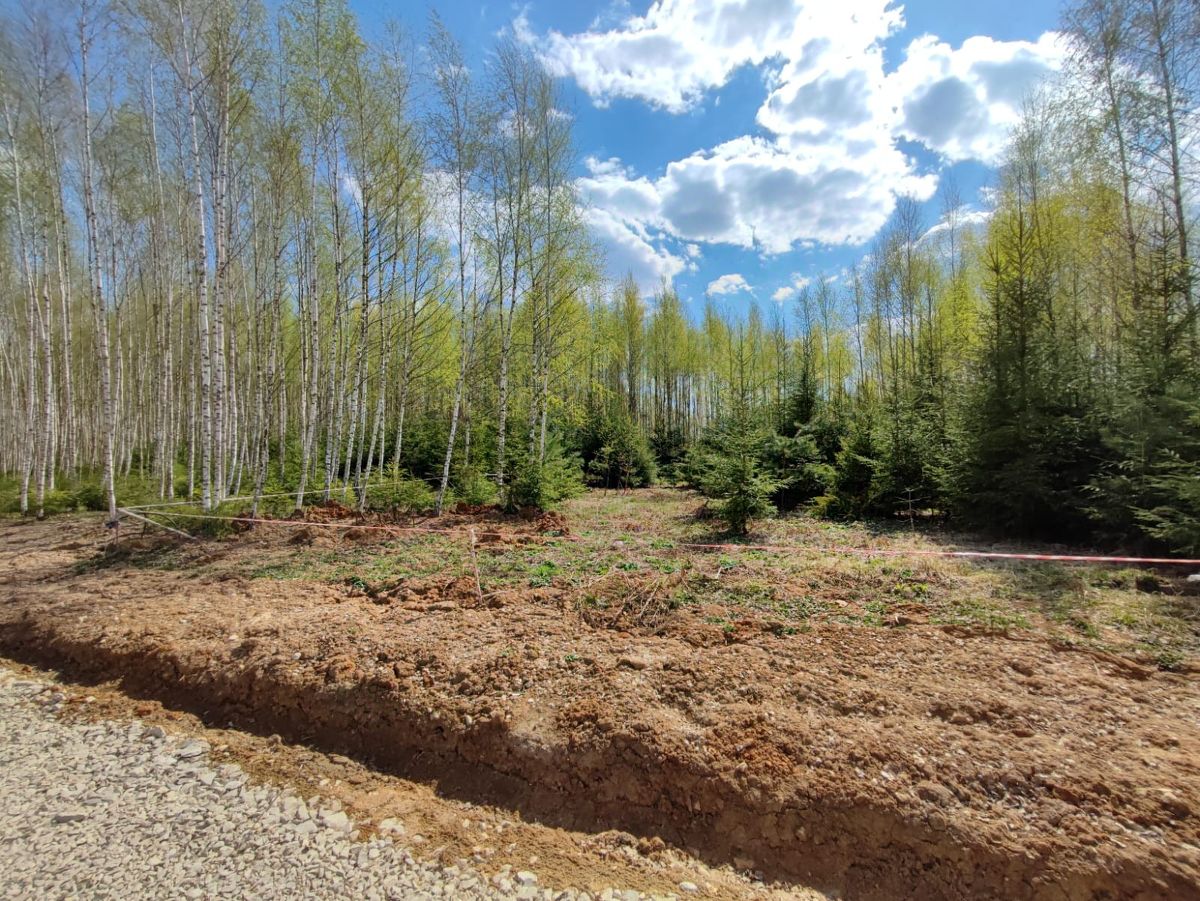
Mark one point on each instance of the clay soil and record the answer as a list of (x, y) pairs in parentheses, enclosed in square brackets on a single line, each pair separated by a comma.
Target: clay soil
[(866, 726)]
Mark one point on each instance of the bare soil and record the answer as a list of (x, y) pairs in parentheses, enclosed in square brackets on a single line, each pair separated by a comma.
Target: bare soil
[(858, 726)]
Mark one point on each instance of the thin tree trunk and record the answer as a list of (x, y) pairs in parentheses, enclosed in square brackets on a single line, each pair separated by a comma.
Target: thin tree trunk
[(200, 274), (96, 290)]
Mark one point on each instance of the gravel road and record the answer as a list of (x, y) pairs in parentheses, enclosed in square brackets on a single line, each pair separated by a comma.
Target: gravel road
[(117, 810)]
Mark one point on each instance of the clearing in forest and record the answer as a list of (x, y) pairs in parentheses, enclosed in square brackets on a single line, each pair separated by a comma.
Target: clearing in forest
[(873, 723)]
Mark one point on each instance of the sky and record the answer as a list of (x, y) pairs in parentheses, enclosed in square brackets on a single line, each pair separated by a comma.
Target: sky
[(742, 148)]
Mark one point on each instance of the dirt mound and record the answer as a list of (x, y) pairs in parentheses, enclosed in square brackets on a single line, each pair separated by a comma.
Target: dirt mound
[(302, 536), (130, 547), (464, 509), (431, 594), (500, 539), (329, 511), (552, 522), (368, 535)]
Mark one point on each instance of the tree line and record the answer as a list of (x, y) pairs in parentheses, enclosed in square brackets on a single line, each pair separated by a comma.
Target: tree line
[(1039, 376), (246, 253)]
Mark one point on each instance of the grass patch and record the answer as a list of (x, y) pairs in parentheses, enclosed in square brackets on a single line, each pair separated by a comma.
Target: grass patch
[(639, 538)]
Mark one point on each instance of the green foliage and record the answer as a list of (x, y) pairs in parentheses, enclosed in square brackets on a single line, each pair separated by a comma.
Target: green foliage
[(614, 450), (403, 496), (1031, 441), (731, 472), (544, 485), (1152, 487), (908, 472), (797, 468), (1026, 471), (801, 457), (91, 497), (193, 519), (543, 574), (669, 446), (851, 488), (57, 501), (82, 494), (425, 446), (474, 488), (1149, 488)]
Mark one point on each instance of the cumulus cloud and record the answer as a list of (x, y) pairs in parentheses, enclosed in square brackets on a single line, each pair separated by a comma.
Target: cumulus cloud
[(828, 167), (757, 194), (623, 213), (964, 221), (952, 233), (787, 292), (629, 249), (680, 49), (733, 283), (615, 188), (352, 189), (963, 103)]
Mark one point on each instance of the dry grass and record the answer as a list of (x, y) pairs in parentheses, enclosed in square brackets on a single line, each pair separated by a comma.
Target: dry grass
[(626, 564)]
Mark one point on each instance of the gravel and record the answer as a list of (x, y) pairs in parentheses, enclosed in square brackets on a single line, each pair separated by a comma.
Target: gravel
[(120, 810)]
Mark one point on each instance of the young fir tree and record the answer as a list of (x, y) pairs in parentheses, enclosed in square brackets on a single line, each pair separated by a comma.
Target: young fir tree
[(615, 452), (735, 477), (1150, 489)]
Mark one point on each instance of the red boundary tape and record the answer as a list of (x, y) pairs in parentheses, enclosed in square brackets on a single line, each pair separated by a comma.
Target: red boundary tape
[(986, 555), (779, 548)]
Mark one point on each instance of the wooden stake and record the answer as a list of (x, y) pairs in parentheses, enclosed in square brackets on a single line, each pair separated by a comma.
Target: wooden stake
[(475, 566)]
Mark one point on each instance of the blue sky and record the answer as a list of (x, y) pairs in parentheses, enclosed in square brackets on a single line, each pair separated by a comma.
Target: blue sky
[(741, 147)]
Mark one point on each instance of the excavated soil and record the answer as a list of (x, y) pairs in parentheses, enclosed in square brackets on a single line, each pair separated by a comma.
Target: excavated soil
[(908, 761)]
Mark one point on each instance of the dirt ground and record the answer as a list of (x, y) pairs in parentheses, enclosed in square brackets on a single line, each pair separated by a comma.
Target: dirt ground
[(865, 726)]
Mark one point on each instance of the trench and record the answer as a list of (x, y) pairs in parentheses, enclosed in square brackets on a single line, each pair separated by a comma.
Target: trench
[(601, 780)]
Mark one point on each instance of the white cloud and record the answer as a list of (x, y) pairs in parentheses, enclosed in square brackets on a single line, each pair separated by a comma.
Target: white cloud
[(787, 292), (352, 189), (732, 283), (602, 168), (622, 211), (963, 103), (965, 222), (680, 49), (828, 167), (631, 198), (755, 193), (631, 250)]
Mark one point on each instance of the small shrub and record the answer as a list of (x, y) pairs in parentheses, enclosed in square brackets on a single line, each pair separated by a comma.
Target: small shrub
[(1148, 583), (193, 519), (734, 477), (543, 574), (405, 496), (91, 497), (1168, 659), (615, 449), (475, 489), (543, 486)]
